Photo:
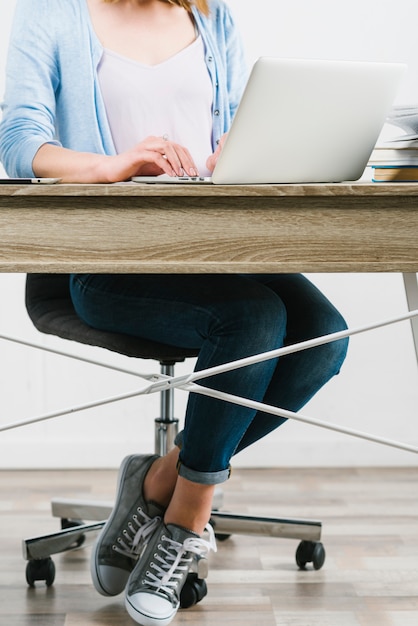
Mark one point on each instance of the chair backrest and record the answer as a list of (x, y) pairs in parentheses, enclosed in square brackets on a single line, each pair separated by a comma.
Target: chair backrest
[(49, 305)]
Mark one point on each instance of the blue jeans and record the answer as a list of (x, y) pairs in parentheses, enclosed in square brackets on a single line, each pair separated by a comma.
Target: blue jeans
[(226, 317)]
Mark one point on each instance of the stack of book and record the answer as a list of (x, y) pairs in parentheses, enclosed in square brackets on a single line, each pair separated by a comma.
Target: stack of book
[(397, 160)]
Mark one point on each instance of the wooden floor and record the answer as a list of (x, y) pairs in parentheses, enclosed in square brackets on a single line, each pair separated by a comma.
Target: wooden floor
[(370, 533)]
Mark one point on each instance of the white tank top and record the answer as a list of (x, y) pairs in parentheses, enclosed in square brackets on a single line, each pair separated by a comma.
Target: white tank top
[(172, 99)]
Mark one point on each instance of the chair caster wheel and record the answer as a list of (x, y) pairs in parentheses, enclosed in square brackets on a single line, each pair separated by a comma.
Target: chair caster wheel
[(73, 523), (194, 590), (40, 569), (310, 552)]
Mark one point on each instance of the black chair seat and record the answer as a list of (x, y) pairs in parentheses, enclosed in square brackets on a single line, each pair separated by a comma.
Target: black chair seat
[(51, 310)]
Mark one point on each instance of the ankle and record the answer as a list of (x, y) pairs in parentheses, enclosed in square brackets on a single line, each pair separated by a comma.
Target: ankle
[(192, 523), (191, 506), (161, 479)]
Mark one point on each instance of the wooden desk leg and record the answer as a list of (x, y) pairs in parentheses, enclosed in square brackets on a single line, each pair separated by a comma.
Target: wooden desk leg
[(411, 288)]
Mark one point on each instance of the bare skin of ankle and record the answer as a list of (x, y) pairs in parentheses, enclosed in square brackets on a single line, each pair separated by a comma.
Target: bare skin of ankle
[(190, 506), (161, 479)]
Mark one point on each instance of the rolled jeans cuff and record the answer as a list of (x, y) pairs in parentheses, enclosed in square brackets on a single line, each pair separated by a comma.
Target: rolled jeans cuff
[(195, 476), (203, 478)]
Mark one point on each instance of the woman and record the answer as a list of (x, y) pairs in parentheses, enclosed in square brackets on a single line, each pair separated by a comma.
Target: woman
[(99, 91)]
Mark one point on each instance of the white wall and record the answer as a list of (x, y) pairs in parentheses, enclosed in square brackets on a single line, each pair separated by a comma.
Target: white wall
[(377, 390)]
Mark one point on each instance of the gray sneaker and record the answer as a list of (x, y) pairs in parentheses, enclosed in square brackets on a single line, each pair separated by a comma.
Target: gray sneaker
[(127, 530), (153, 589)]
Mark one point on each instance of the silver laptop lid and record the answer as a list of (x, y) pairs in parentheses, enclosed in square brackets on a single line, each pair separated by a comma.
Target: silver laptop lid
[(302, 121)]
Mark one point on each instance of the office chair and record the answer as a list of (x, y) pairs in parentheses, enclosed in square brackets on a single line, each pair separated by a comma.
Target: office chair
[(50, 308)]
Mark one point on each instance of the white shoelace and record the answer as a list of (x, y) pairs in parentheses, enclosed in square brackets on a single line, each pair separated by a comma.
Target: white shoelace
[(131, 542), (171, 567)]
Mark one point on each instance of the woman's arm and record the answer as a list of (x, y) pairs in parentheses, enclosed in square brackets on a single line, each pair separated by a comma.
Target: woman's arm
[(42, 68), (232, 71), (32, 78)]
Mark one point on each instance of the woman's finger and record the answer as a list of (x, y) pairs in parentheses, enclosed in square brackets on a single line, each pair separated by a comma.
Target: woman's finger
[(213, 158), (180, 159), (172, 158)]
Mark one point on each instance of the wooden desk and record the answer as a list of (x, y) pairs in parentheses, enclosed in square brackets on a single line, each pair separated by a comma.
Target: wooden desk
[(358, 227)]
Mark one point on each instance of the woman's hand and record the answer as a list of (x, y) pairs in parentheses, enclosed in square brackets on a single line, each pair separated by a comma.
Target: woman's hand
[(151, 157), (212, 160)]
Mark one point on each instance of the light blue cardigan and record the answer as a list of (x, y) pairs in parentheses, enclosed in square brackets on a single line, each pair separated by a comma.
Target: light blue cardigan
[(52, 92)]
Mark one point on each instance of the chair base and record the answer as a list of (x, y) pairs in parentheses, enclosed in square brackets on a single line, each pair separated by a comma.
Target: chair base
[(42, 547), (38, 550)]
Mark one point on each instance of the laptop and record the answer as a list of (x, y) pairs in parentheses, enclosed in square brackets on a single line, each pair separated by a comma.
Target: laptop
[(304, 121)]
